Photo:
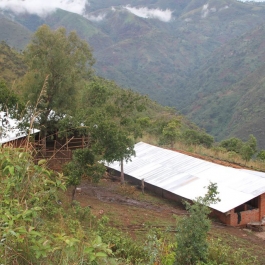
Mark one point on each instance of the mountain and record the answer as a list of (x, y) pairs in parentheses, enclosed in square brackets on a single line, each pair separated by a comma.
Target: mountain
[(13, 33), (203, 57), (11, 64), (229, 87)]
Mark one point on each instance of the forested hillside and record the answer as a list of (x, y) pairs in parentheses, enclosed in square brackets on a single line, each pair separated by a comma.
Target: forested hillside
[(229, 89), (12, 66), (191, 55)]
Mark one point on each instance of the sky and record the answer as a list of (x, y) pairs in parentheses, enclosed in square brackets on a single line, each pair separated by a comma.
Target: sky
[(44, 7)]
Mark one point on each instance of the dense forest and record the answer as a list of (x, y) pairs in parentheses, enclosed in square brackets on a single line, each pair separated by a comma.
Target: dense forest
[(52, 86)]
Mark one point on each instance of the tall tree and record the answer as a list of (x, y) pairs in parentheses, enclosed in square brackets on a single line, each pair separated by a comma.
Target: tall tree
[(115, 143), (111, 114), (57, 63)]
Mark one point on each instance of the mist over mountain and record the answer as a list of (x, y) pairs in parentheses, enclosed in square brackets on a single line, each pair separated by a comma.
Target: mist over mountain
[(203, 57)]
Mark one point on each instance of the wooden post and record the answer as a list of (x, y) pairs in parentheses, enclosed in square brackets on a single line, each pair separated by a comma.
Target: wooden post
[(142, 185)]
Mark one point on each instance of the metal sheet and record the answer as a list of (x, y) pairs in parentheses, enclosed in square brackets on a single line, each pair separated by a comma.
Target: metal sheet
[(188, 177), (11, 131)]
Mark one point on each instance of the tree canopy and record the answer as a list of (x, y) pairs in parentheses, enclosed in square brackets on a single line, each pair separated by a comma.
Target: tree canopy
[(57, 64)]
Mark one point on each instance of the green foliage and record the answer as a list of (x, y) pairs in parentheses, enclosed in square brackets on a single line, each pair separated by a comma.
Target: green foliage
[(112, 118), (261, 155), (245, 149), (34, 229), (192, 137), (83, 164), (9, 100), (192, 245), (123, 247), (222, 254), (249, 148), (159, 249), (156, 247), (116, 143), (232, 144), (58, 63), (26, 192), (223, 95), (171, 132), (246, 152), (11, 64)]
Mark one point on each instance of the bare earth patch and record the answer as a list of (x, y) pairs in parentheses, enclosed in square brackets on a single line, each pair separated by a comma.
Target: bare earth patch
[(130, 210)]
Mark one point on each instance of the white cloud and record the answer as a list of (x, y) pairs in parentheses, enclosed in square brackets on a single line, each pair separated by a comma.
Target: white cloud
[(251, 1), (205, 11), (96, 18), (42, 8), (144, 12), (223, 8)]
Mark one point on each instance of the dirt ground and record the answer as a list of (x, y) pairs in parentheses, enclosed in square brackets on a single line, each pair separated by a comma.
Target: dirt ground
[(130, 210)]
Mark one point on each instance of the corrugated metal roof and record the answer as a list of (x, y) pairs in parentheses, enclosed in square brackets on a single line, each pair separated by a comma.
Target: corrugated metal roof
[(189, 177), (11, 130)]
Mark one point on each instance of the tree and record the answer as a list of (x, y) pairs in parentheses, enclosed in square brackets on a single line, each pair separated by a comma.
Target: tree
[(192, 230), (112, 116), (196, 138), (57, 64), (249, 148), (252, 142), (112, 142), (171, 132), (245, 149), (233, 144), (261, 155), (9, 100), (83, 164)]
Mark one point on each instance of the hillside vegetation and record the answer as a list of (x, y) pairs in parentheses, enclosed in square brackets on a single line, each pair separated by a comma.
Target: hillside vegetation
[(12, 65), (161, 125), (196, 62), (229, 88), (42, 220)]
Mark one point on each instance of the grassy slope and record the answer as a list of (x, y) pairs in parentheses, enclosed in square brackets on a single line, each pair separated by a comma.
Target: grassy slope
[(11, 64), (13, 34)]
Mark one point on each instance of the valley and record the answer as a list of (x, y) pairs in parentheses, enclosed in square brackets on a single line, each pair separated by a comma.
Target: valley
[(204, 58)]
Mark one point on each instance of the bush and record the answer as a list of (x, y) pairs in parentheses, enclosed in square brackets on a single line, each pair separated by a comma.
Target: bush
[(192, 137), (192, 245), (34, 229), (222, 254)]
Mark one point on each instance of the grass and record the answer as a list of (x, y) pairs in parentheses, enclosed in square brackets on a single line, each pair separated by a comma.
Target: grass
[(152, 213)]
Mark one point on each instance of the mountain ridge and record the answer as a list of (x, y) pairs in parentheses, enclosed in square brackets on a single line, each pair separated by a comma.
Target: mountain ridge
[(183, 63)]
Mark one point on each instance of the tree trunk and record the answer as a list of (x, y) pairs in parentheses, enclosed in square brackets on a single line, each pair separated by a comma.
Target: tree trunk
[(122, 173), (73, 194), (43, 143)]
